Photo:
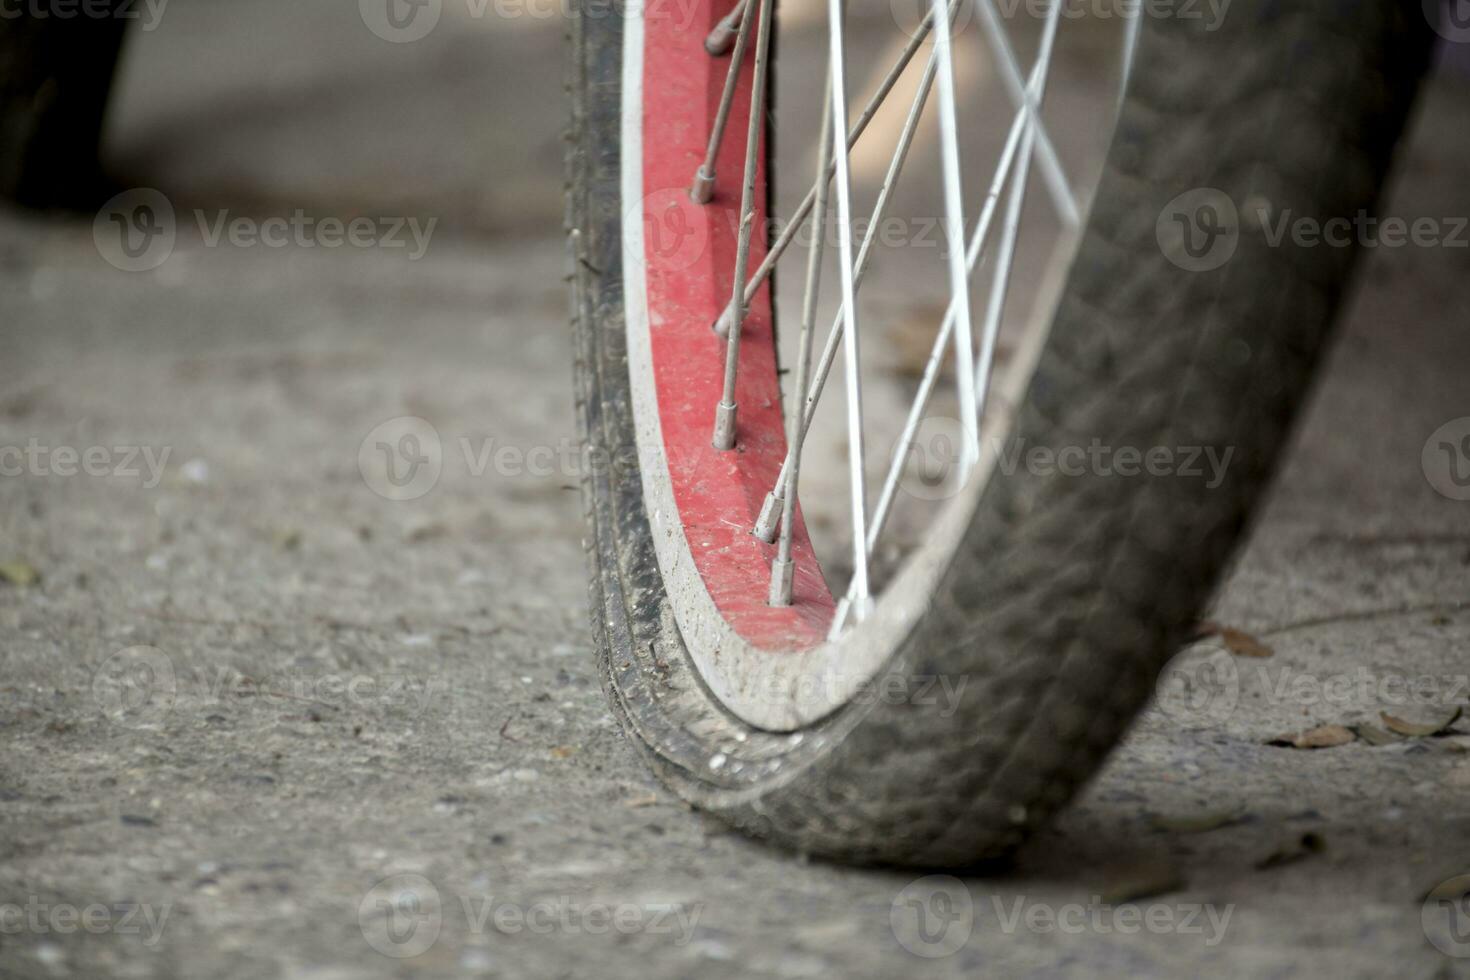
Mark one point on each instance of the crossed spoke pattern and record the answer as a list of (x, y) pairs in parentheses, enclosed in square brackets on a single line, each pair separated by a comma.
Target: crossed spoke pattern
[(1027, 143)]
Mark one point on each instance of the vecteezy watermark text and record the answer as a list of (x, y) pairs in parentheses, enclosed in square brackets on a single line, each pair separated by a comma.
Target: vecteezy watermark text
[(934, 471), (1201, 229), (141, 686), (404, 458), (38, 918), (1206, 685), (37, 459), (145, 13), (402, 916), (935, 916), (137, 231)]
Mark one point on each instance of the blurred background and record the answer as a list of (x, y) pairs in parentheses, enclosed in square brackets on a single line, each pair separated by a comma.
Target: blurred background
[(261, 101)]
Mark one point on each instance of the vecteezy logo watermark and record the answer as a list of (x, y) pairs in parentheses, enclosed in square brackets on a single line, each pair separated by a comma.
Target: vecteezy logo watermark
[(36, 459), (1199, 230), (1450, 18), (137, 231), (1445, 916), (1211, 12), (933, 917), (401, 21), (1198, 686), (39, 918), (911, 16), (136, 687), (148, 13), (403, 915), (1103, 918), (932, 460), (675, 231), (1446, 459), (140, 686), (402, 458), (1205, 685)]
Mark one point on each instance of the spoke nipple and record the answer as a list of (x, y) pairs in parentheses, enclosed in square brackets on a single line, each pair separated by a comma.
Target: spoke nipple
[(724, 427), (769, 519), (781, 574), (722, 324), (704, 186), (720, 39)]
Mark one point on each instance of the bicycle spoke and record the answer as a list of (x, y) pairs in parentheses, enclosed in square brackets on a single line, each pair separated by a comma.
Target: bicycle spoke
[(1005, 259), (1010, 74), (1036, 83), (859, 499), (954, 219), (1130, 51), (828, 206), (782, 567), (766, 522), (799, 216), (704, 178), (725, 412)]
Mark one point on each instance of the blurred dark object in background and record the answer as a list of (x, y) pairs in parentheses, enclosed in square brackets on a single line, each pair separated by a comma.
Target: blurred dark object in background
[(55, 75)]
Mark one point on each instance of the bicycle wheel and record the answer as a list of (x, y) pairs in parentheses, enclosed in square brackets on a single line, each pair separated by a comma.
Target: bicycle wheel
[(931, 698)]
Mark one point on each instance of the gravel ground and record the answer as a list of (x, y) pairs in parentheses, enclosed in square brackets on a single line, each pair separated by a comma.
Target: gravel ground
[(257, 720)]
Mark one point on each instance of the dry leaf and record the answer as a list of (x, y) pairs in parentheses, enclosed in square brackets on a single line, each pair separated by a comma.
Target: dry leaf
[(1374, 735), (19, 573), (1238, 642), (1411, 729), (1321, 737), (1451, 890), (1147, 880)]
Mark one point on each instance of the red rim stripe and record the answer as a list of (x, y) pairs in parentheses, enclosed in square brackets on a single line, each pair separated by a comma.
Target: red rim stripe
[(690, 257)]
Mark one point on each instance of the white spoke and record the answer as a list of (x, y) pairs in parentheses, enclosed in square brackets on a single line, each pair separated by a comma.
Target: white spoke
[(725, 412), (1005, 260), (704, 178), (782, 567), (1010, 74), (1036, 85), (828, 206), (954, 220), (766, 523), (1130, 50), (859, 497), (722, 324)]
